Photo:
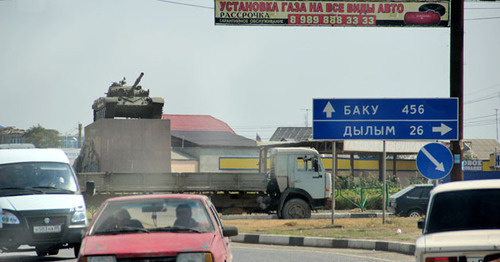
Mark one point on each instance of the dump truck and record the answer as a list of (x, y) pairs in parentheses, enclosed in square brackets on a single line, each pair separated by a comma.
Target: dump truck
[(295, 184)]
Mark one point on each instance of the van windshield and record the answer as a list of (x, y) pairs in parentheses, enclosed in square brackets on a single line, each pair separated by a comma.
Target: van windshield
[(464, 210), (36, 178)]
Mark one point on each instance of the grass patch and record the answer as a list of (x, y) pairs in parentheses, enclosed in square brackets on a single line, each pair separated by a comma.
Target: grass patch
[(345, 228)]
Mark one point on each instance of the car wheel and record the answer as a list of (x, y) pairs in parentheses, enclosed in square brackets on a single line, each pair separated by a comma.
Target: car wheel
[(296, 208), (415, 213)]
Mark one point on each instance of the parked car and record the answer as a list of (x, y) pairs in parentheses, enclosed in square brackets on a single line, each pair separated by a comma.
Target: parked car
[(167, 227), (462, 223), (410, 201)]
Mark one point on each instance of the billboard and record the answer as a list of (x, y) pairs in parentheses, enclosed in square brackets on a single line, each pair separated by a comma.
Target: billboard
[(332, 13)]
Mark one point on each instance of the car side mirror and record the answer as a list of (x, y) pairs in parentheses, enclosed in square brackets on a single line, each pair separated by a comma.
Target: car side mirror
[(90, 188), (420, 224), (229, 231)]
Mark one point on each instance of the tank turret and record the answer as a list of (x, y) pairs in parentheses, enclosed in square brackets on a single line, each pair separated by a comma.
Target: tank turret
[(128, 101), (120, 89)]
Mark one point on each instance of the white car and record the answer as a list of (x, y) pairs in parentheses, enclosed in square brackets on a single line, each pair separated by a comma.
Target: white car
[(462, 223)]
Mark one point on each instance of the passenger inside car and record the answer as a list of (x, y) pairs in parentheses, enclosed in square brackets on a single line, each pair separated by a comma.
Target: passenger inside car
[(120, 219), (184, 219)]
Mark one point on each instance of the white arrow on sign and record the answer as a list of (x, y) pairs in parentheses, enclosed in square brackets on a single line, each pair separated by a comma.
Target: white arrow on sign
[(443, 129), (439, 166), (328, 110)]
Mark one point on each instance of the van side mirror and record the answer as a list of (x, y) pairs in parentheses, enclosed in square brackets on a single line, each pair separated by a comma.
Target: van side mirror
[(90, 188)]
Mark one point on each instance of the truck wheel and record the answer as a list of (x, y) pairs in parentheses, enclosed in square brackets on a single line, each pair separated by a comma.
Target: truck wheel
[(54, 251), (76, 249), (414, 213), (296, 208)]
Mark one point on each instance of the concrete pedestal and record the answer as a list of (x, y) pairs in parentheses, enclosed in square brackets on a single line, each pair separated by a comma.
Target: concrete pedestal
[(130, 145)]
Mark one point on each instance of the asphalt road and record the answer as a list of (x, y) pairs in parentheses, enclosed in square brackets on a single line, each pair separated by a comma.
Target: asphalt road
[(254, 253), (64, 255), (264, 253)]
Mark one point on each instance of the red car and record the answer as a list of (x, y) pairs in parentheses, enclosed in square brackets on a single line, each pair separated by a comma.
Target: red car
[(171, 227)]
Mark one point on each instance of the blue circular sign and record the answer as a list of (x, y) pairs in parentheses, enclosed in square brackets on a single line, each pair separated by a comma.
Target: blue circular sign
[(434, 161)]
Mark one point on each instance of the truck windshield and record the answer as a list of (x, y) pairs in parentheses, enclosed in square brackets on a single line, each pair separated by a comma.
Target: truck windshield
[(464, 210), (36, 178)]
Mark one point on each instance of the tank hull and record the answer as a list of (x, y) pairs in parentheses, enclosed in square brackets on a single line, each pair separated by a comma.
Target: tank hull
[(128, 107)]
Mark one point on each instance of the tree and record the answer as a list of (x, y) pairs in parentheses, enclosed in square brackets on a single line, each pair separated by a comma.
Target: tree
[(42, 138)]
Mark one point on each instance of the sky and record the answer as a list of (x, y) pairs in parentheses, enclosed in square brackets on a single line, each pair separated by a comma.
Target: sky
[(58, 56)]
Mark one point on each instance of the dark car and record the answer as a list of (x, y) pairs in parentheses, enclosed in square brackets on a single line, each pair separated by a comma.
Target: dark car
[(411, 201)]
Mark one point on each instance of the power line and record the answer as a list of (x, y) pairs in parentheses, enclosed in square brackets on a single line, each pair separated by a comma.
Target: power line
[(482, 18), (481, 8), (485, 120), (479, 99), (478, 117), (483, 89), (469, 19), (191, 5)]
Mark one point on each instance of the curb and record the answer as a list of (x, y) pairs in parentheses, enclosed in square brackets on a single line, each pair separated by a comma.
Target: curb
[(313, 216), (403, 248)]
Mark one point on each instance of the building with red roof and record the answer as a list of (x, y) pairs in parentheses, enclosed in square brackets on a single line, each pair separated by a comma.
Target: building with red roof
[(200, 141)]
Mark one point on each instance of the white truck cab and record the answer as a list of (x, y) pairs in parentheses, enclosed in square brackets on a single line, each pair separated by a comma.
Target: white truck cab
[(462, 223), (40, 202)]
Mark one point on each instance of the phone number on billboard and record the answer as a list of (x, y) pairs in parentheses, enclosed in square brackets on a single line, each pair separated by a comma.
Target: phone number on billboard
[(341, 20)]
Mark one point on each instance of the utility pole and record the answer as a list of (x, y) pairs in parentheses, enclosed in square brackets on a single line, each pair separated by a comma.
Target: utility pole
[(79, 135), (306, 116), (496, 118), (457, 82)]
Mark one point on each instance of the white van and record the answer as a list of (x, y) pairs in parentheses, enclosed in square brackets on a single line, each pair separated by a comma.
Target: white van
[(40, 202)]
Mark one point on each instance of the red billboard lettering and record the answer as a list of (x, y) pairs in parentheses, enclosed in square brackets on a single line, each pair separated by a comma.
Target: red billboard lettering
[(293, 7), (335, 7)]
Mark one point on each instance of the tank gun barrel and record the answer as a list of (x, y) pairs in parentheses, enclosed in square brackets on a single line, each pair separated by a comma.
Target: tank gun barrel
[(138, 80)]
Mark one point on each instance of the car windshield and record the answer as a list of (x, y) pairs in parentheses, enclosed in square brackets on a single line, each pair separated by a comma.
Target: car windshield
[(153, 215), (36, 178), (464, 210)]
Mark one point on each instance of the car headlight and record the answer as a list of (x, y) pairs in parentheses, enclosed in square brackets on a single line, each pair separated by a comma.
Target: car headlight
[(194, 257), (80, 215), (9, 218), (100, 259)]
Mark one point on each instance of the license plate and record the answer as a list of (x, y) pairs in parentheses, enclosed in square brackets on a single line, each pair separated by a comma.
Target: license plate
[(47, 229)]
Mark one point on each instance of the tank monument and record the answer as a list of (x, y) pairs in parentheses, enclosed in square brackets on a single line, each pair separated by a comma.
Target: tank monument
[(128, 134)]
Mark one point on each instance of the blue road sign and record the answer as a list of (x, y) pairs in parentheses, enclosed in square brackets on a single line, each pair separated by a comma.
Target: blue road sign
[(434, 161), (386, 119)]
